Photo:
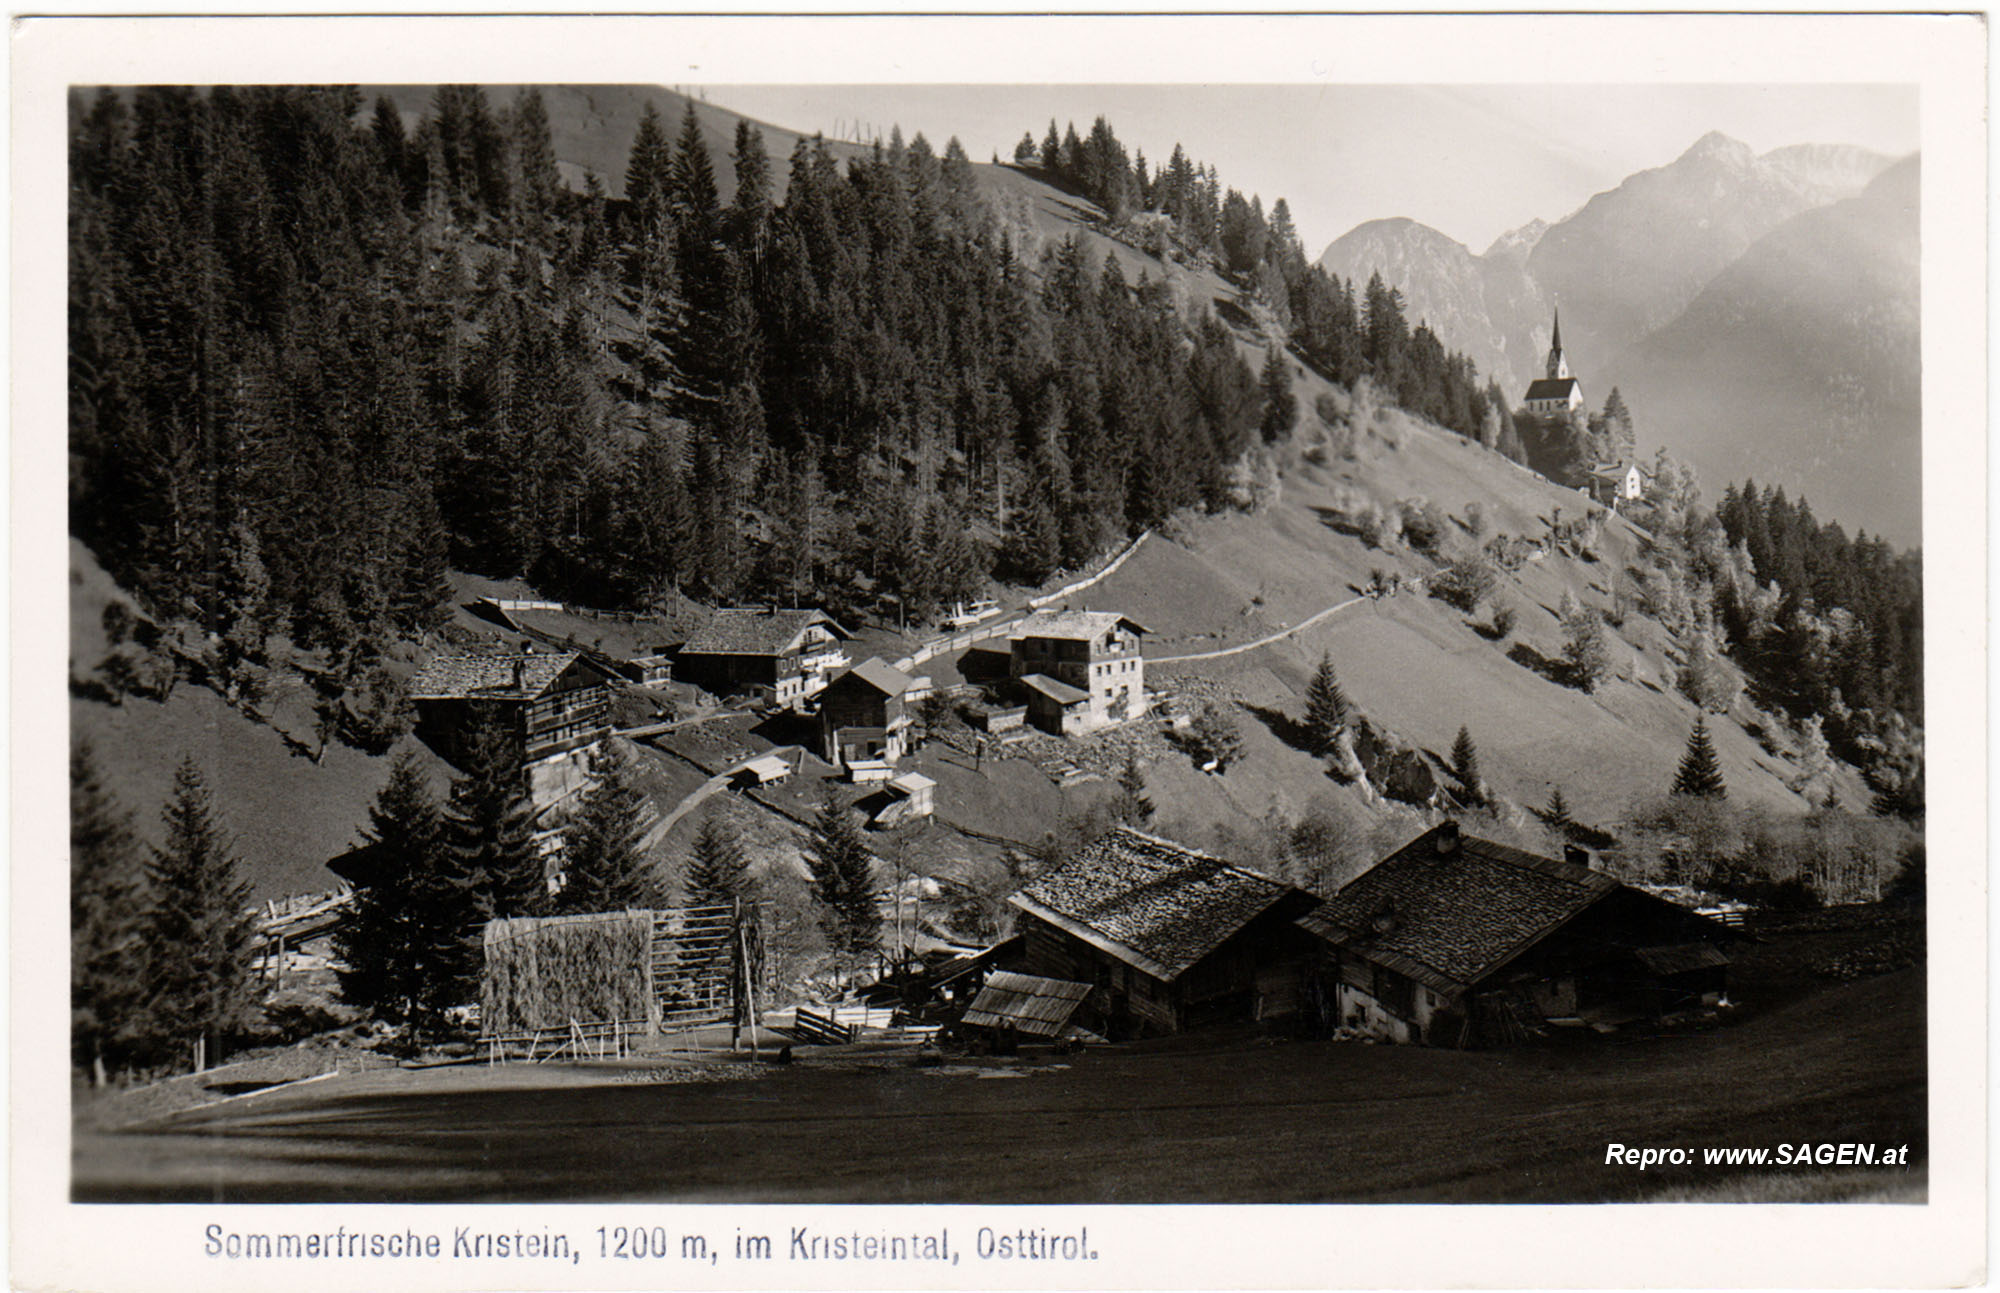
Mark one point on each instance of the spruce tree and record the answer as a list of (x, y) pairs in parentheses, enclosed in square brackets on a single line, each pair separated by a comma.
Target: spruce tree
[(108, 900), (403, 948), (199, 930), (843, 880), (1327, 708), (1281, 403), (1700, 773), (718, 873), (488, 829), (1556, 816), (1132, 806), (1465, 766), (605, 864)]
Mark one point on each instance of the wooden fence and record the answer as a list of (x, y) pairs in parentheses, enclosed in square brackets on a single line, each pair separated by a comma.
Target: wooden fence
[(820, 1029)]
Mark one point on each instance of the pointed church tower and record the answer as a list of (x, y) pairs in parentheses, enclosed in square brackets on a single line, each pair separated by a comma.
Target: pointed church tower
[(1558, 366), (1557, 393)]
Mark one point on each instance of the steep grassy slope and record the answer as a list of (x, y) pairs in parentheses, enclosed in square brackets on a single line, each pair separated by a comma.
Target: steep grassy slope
[(287, 812)]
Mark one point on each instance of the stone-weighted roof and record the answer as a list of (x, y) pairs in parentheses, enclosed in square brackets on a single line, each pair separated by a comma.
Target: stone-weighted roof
[(1150, 902), (489, 677), (1080, 626), (756, 631), (1447, 917)]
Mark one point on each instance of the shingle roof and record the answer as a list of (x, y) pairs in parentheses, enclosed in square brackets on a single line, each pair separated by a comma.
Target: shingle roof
[(1551, 388), (1055, 689), (1025, 1003), (1448, 919), (883, 677), (756, 631), (1150, 902), (1078, 625), (488, 677)]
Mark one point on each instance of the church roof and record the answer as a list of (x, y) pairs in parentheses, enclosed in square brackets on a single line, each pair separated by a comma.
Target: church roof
[(1552, 388)]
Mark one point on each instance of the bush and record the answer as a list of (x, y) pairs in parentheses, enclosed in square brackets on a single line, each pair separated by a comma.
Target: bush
[(1504, 617), (1465, 582), (376, 711), (1422, 523), (1475, 520)]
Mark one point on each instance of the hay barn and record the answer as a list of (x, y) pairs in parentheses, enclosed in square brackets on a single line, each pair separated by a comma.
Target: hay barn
[(1458, 941), (1169, 938)]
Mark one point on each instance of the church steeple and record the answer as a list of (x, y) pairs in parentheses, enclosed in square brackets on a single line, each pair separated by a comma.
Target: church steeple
[(1558, 366)]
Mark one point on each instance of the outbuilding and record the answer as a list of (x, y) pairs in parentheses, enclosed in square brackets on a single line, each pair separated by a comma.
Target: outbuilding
[(1169, 938), (1458, 941)]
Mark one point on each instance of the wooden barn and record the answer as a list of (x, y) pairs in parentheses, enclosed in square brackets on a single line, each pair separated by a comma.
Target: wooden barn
[(787, 654), (1459, 941), (1168, 938), (552, 707), (864, 714)]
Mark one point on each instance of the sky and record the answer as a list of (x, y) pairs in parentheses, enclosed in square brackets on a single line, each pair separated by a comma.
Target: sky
[(1470, 161)]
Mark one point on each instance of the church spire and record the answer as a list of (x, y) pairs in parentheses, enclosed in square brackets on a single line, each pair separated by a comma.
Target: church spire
[(1558, 365)]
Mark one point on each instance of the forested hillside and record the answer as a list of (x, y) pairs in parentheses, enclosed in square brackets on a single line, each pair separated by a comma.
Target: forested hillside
[(324, 351)]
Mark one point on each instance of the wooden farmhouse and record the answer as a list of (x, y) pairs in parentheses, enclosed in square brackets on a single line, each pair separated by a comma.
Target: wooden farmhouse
[(552, 708), (1458, 941), (1167, 937), (783, 654), (1079, 670), (864, 715)]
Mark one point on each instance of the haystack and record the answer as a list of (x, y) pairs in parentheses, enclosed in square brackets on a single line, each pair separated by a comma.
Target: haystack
[(545, 972)]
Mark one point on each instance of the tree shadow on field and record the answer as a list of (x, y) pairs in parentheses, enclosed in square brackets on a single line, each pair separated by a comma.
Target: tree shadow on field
[(1283, 726)]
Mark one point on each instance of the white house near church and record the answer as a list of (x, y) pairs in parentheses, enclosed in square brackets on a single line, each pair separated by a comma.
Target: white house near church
[(1557, 393)]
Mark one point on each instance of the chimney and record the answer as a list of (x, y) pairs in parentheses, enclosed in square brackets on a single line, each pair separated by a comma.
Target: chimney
[(1447, 838), (1576, 855), (520, 677)]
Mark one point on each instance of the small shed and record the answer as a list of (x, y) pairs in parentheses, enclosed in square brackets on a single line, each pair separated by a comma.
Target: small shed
[(764, 771), (1025, 1004), (917, 790), (1054, 706)]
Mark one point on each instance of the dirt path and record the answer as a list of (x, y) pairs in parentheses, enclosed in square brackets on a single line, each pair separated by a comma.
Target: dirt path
[(701, 793), (1264, 641)]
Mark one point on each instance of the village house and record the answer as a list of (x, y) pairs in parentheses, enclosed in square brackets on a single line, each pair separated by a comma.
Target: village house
[(1459, 941), (864, 714), (1556, 393), (1078, 670), (1612, 483), (785, 654), (551, 708), (1168, 938)]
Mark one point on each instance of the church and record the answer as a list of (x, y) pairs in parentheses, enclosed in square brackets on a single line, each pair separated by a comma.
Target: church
[(1556, 394)]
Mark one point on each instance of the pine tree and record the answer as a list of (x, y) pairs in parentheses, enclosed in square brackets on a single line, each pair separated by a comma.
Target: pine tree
[(1700, 773), (1131, 806), (1281, 403), (404, 949), (1465, 766), (198, 931), (1327, 708), (649, 171), (843, 880), (108, 899), (489, 828), (718, 873), (1556, 816), (605, 864)]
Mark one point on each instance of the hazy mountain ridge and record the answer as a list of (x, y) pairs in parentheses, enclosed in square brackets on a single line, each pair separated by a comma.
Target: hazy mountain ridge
[(1799, 364), (1712, 254)]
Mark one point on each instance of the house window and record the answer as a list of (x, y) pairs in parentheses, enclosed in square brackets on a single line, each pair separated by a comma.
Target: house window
[(1397, 993)]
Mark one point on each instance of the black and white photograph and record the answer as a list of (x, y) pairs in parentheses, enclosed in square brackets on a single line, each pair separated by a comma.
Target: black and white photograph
[(1318, 639)]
